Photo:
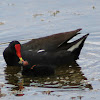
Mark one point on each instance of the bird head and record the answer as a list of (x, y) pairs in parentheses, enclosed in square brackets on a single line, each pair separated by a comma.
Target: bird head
[(16, 49)]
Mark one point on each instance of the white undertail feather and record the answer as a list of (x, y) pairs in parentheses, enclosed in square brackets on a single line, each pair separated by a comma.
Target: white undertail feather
[(75, 46)]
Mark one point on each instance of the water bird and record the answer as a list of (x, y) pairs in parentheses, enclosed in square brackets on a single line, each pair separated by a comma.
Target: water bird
[(45, 52)]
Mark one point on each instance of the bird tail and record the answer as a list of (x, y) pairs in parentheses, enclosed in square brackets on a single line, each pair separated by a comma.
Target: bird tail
[(76, 46)]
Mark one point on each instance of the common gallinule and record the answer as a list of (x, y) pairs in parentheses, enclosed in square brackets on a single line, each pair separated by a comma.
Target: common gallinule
[(49, 50)]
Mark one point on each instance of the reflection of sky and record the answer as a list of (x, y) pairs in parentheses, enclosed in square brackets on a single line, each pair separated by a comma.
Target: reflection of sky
[(18, 17)]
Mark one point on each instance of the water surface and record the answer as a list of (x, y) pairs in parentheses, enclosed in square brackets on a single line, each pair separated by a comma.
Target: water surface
[(27, 19)]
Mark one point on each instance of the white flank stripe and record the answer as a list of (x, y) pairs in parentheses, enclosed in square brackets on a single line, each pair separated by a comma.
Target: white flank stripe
[(29, 50), (40, 51)]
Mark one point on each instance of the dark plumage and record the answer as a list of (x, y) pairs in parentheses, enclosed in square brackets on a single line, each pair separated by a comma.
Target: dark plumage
[(50, 50)]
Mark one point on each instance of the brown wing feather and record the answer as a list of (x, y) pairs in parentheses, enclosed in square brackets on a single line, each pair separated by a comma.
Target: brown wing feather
[(50, 42)]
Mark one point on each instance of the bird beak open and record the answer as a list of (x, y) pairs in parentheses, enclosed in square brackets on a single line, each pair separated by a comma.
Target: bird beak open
[(18, 53)]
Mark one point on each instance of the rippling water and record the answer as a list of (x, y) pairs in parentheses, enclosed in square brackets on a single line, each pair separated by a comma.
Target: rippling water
[(27, 19)]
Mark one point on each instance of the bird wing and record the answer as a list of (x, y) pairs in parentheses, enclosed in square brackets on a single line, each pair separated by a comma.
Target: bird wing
[(50, 42)]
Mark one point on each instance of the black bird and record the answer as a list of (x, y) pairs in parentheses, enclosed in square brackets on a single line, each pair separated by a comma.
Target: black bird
[(50, 50)]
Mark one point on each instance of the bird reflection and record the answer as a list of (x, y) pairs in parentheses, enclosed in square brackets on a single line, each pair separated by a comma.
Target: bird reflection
[(65, 77)]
